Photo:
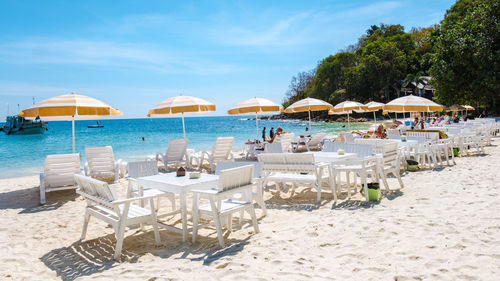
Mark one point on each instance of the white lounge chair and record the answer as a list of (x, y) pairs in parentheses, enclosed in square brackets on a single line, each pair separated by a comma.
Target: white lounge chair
[(222, 205), (58, 173), (175, 154), (286, 141), (295, 168), (390, 162), (103, 204), (145, 169), (222, 151), (101, 164), (315, 143)]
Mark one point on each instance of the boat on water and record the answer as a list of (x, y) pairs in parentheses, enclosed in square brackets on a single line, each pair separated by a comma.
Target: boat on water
[(96, 126), (17, 125)]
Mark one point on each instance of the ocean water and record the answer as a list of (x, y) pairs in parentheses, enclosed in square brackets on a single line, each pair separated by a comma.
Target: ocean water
[(22, 155)]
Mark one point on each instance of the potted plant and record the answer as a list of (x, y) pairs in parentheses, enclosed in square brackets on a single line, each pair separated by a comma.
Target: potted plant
[(374, 191), (455, 151), (412, 165)]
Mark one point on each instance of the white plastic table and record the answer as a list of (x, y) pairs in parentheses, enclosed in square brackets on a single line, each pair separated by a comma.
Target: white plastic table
[(169, 182), (330, 157)]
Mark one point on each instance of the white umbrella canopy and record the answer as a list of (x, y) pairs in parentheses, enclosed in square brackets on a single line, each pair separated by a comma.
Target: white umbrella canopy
[(308, 104), (347, 107), (69, 107), (412, 103), (374, 106), (257, 106), (179, 106)]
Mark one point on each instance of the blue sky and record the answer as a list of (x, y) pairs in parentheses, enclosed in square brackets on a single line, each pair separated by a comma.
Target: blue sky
[(134, 54)]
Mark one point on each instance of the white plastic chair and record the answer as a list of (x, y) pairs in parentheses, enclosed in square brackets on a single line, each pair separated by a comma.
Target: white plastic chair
[(286, 141), (103, 204), (144, 169), (222, 151), (222, 206), (58, 173), (175, 154), (101, 164), (314, 143)]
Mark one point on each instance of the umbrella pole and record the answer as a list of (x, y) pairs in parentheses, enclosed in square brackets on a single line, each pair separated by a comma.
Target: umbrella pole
[(348, 121), (309, 121), (374, 117), (73, 131), (257, 125), (183, 126)]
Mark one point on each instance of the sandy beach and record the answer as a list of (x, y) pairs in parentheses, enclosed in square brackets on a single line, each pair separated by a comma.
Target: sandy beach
[(443, 225)]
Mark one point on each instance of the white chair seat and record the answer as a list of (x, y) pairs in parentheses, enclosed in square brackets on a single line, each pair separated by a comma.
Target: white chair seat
[(148, 192), (226, 206), (291, 177)]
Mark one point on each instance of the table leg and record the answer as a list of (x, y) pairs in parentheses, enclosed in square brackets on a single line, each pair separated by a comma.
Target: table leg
[(184, 216)]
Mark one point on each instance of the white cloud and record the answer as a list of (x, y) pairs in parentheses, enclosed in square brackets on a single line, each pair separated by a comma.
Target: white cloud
[(106, 53)]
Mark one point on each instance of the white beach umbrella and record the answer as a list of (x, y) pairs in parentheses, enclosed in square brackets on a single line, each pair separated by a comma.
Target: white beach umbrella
[(374, 106), (69, 107), (257, 106), (347, 107), (179, 106), (412, 103), (309, 104)]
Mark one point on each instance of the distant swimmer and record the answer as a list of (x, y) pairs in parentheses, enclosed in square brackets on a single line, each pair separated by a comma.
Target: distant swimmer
[(143, 139)]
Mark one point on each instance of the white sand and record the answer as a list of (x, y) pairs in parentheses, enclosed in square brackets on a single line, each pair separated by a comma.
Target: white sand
[(444, 225)]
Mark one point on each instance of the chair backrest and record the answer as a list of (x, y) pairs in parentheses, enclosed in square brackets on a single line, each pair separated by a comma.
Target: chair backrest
[(377, 144), (60, 169), (394, 137), (432, 136), (235, 177), (100, 159), (92, 189), (391, 132), (316, 139), (142, 169), (272, 162), (274, 147), (418, 139), (361, 150), (349, 138), (300, 162), (330, 146), (224, 165), (176, 149), (286, 141), (222, 148)]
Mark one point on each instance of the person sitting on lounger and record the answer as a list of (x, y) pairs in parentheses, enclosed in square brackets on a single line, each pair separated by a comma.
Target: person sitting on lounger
[(279, 131)]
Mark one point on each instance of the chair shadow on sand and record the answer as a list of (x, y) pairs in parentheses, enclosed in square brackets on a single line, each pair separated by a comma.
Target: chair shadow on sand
[(28, 200), (84, 258)]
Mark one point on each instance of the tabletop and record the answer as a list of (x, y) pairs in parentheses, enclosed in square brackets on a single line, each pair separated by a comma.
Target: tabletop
[(172, 183), (331, 156)]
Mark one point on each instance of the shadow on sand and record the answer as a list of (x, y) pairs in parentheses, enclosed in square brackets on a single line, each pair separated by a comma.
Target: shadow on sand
[(28, 200)]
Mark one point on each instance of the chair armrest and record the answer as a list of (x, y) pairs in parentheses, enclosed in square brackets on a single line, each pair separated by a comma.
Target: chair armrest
[(127, 200)]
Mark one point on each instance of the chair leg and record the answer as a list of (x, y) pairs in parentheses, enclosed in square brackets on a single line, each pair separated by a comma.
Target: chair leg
[(218, 226), (347, 176), (154, 222), (398, 176), (42, 194), (86, 219), (365, 185), (195, 224), (251, 211), (119, 241)]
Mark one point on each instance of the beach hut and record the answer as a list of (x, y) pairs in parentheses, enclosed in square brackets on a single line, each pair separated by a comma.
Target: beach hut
[(257, 106), (180, 106), (309, 104), (69, 107)]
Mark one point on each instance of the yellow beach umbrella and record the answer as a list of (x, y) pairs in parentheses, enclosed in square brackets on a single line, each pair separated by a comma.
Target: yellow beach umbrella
[(374, 106), (69, 107), (455, 107), (347, 107), (255, 106), (468, 107), (179, 106), (412, 103), (309, 104)]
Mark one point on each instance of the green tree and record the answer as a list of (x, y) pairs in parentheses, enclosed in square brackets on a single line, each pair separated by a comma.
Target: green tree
[(467, 60)]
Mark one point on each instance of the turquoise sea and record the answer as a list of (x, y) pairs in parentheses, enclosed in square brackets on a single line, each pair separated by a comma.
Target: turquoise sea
[(22, 155)]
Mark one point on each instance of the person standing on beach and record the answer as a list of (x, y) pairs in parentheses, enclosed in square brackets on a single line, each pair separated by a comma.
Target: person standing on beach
[(271, 133), (264, 134)]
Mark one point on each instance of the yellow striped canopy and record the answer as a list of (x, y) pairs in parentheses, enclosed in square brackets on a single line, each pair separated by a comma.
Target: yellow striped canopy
[(374, 106), (468, 107), (331, 112), (455, 107), (69, 107), (308, 104), (180, 104), (412, 103), (348, 106), (255, 106)]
